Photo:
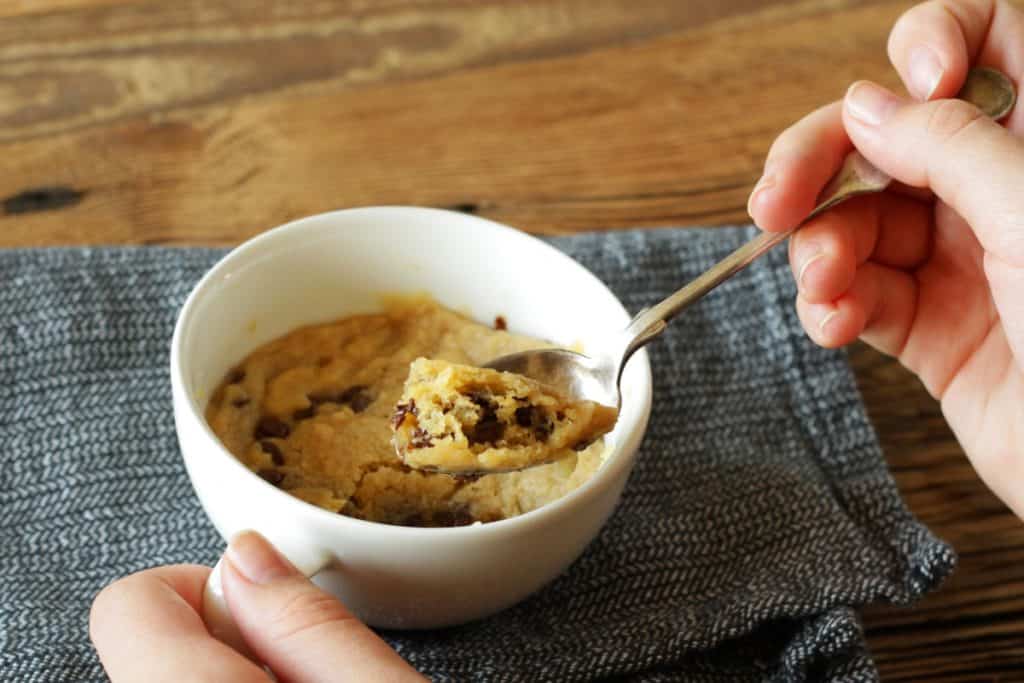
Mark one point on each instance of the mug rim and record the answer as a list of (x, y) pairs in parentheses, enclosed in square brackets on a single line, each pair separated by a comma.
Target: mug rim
[(622, 456)]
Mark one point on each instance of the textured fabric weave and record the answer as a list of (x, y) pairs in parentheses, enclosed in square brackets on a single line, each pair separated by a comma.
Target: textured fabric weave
[(759, 517)]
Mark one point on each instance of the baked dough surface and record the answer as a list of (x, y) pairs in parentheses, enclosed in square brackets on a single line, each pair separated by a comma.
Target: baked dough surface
[(310, 412)]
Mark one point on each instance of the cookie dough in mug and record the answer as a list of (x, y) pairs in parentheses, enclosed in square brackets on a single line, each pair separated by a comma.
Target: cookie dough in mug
[(310, 412)]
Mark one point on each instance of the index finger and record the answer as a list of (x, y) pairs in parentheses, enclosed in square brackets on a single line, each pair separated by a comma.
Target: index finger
[(799, 164), (933, 45), (146, 627)]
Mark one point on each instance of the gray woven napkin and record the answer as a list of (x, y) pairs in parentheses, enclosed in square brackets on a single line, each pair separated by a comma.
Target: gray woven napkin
[(759, 517)]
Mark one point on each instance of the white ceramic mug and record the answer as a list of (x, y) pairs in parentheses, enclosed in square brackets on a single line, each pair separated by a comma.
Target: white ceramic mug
[(324, 267)]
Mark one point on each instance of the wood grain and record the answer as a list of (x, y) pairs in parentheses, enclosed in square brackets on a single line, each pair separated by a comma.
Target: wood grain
[(143, 122), (11, 8), (142, 58), (612, 131)]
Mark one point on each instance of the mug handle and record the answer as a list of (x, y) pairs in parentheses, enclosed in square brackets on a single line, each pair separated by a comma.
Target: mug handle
[(217, 616)]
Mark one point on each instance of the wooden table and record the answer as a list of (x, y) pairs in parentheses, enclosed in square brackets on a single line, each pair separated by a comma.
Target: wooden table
[(208, 122)]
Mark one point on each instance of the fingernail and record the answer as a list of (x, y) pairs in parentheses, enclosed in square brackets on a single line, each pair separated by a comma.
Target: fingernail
[(869, 103), (766, 183), (256, 559), (825, 321), (803, 268), (925, 72)]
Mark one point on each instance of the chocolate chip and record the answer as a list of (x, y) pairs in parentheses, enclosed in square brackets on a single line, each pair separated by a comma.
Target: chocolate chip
[(526, 416), (500, 323), (482, 400), (560, 415), (537, 420), (350, 393), (542, 430), (326, 396), (487, 430), (418, 519), (458, 516), (357, 397), (271, 476), (304, 413), (271, 449), (453, 517), (401, 410), (420, 439), (240, 402), (236, 376), (271, 426), (323, 396), (582, 445)]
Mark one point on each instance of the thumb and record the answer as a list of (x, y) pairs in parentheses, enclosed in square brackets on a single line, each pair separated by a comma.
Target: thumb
[(301, 632), (969, 161)]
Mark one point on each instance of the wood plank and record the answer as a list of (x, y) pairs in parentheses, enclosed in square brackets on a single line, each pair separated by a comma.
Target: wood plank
[(12, 8), (69, 70), (670, 130)]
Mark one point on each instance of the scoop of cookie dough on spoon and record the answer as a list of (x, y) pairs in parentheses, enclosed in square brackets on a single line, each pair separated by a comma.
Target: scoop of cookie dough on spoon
[(468, 421)]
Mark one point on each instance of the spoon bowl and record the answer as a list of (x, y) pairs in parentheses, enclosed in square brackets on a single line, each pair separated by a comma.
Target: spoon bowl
[(576, 376)]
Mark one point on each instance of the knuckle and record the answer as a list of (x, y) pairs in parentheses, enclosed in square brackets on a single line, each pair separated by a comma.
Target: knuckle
[(905, 22), (912, 21), (801, 138), (782, 142), (306, 611), (950, 119)]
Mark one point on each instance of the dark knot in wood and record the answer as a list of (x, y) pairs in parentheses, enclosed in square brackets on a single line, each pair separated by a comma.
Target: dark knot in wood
[(42, 199)]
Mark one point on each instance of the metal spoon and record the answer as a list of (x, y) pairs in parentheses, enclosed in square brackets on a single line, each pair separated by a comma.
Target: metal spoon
[(596, 377)]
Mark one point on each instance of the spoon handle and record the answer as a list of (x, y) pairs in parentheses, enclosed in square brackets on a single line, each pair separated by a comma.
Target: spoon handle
[(857, 176), (988, 89)]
